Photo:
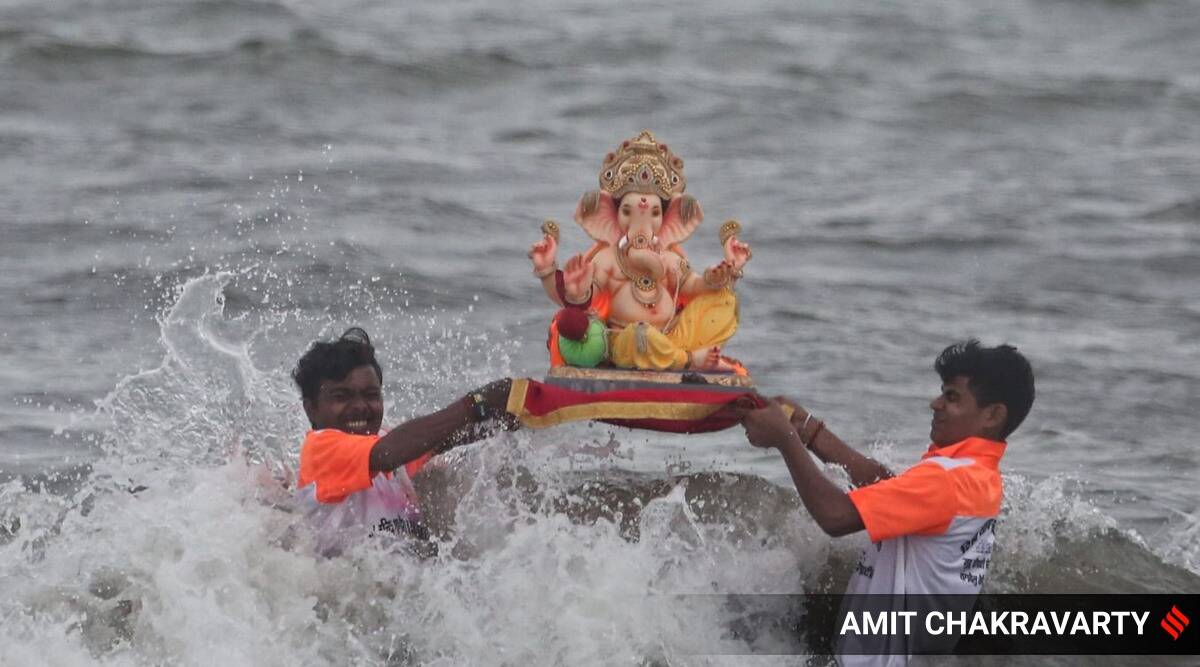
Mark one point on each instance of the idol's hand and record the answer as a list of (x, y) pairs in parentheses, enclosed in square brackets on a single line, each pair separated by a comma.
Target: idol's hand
[(577, 279), (720, 276), (737, 254), (543, 255)]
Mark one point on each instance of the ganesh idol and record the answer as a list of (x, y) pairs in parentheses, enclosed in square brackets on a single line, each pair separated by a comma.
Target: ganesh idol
[(633, 296)]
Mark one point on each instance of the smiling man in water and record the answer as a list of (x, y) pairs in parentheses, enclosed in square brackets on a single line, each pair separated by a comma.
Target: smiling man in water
[(354, 478), (932, 525)]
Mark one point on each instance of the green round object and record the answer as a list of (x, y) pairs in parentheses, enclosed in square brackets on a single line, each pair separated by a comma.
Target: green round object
[(588, 352)]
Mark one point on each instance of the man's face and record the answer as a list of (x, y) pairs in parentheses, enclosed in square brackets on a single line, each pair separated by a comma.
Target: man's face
[(353, 404), (957, 416)]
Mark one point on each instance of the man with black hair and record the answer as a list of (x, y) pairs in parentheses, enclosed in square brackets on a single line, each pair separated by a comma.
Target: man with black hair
[(932, 525), (354, 477)]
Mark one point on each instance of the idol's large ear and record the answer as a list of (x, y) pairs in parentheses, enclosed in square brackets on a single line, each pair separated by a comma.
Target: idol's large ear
[(597, 214), (682, 218)]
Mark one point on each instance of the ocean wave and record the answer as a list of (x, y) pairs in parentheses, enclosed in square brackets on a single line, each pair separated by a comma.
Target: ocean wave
[(42, 50), (300, 47), (1183, 210), (590, 556), (86, 233), (960, 92), (932, 242), (1179, 544), (136, 30)]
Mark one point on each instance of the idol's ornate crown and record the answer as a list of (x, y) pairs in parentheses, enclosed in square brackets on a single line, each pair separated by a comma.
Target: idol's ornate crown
[(642, 164)]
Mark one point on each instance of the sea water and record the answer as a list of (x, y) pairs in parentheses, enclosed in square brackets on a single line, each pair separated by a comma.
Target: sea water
[(194, 191)]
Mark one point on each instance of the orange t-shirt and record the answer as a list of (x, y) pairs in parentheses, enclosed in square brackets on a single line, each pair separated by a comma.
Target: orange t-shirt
[(340, 463), (920, 501), (959, 480), (932, 525), (338, 493), (933, 529)]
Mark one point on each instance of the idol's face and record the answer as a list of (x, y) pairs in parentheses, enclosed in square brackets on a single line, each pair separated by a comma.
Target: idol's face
[(640, 213)]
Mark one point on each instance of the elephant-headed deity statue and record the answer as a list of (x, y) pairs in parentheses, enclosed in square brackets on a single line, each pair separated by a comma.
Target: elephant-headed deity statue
[(633, 299)]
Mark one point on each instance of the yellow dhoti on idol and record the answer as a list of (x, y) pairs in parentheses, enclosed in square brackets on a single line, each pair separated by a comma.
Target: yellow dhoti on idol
[(708, 319)]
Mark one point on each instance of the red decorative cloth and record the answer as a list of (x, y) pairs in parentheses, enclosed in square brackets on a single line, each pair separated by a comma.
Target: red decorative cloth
[(674, 408)]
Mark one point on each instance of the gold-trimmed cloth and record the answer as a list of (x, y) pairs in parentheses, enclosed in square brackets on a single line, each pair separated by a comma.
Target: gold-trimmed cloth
[(680, 408)]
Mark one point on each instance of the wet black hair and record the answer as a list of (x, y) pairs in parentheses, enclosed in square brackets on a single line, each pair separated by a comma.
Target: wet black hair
[(334, 361), (998, 374)]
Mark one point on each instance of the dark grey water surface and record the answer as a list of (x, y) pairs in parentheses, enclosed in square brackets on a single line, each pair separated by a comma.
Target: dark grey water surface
[(908, 174)]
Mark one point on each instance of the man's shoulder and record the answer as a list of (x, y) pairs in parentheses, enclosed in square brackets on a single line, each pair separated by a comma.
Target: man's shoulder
[(978, 488), (317, 438), (332, 442), (337, 461), (945, 462), (324, 436)]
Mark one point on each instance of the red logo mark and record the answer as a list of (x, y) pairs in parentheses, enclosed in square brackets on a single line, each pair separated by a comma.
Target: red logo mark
[(1174, 622)]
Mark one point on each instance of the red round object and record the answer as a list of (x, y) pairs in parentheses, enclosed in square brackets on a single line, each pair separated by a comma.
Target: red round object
[(572, 323)]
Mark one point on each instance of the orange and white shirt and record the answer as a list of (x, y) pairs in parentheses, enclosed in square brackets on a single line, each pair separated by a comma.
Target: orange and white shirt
[(932, 526), (338, 493)]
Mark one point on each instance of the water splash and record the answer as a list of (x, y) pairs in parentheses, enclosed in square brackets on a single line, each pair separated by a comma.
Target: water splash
[(1182, 546), (206, 400)]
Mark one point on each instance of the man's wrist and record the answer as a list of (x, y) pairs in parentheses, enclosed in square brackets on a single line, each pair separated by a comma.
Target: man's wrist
[(792, 441), (807, 427), (477, 406), (489, 401)]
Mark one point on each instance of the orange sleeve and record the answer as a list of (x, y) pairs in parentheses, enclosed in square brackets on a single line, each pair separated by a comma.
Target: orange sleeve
[(414, 466), (338, 462), (919, 500)]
